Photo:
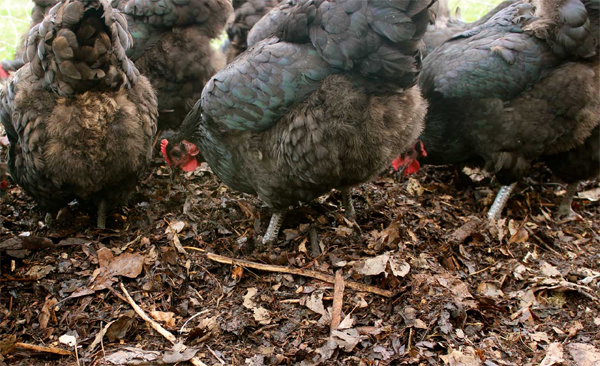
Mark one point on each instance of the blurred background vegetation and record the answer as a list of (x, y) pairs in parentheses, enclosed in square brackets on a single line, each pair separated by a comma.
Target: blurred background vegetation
[(14, 19)]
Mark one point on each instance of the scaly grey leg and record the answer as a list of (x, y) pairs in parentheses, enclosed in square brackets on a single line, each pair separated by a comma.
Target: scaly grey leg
[(48, 219), (564, 209), (500, 201), (348, 205), (273, 229), (102, 215)]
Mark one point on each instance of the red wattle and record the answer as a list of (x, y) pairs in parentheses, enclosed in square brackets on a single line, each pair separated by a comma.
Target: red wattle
[(163, 151), (412, 168), (3, 73), (190, 166)]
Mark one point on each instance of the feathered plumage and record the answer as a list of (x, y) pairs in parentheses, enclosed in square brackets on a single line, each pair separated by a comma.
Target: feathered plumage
[(523, 86), (446, 25), (172, 49), (79, 117), (326, 103), (245, 15)]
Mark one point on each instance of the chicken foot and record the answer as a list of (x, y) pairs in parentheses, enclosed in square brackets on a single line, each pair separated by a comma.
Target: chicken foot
[(102, 215), (348, 204), (500, 201), (273, 229), (564, 209)]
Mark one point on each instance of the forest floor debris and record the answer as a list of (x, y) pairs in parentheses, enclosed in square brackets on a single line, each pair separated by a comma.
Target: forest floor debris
[(421, 278)]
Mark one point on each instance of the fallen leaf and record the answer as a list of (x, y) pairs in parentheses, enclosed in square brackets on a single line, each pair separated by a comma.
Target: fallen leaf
[(118, 329), (347, 322), (47, 312), (237, 273), (248, 302), (175, 227), (372, 266), (67, 339), (346, 339), (590, 195), (549, 270), (458, 358), (399, 267), (315, 302), (167, 318), (574, 328), (554, 355), (262, 315), (584, 354), (39, 272), (520, 236), (489, 290), (130, 355), (540, 337), (178, 354)]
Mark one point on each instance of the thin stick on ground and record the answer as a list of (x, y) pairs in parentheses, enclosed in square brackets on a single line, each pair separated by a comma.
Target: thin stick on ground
[(157, 327), (338, 300), (295, 271), (53, 350)]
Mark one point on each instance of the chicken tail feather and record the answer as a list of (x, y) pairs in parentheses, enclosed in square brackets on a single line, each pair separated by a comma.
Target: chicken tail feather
[(81, 46)]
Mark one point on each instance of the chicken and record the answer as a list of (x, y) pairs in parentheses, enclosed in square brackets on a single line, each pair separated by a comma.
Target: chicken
[(172, 49), (445, 26), (79, 117), (523, 86), (267, 25), (40, 9), (246, 14), (326, 103)]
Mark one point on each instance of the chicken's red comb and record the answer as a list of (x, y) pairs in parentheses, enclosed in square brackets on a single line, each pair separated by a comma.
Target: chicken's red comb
[(3, 73), (4, 184), (163, 151)]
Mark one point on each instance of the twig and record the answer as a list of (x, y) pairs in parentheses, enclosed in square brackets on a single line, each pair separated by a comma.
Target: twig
[(338, 300), (187, 321), (296, 301), (315, 248), (215, 354), (481, 270), (295, 271), (157, 327), (22, 279), (53, 350), (165, 333)]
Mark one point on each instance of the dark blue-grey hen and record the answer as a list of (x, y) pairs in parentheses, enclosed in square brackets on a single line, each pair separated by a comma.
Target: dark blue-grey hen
[(522, 86), (80, 118), (446, 25), (326, 103), (246, 14), (172, 48)]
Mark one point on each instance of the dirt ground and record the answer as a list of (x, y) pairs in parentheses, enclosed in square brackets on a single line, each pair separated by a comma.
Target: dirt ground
[(421, 278)]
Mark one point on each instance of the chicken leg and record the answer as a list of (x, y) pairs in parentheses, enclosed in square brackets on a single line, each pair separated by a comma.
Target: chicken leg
[(102, 215), (273, 229), (564, 209), (48, 219), (500, 201), (347, 203)]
